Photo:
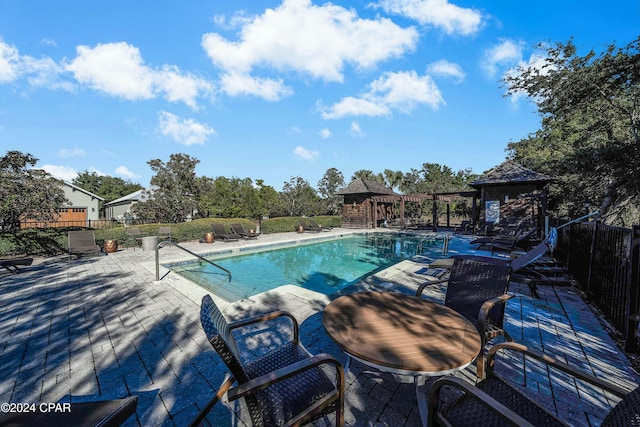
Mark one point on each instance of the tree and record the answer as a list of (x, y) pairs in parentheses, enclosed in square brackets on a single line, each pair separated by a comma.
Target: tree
[(590, 134), (27, 193), (299, 198), (175, 192), (329, 184), (391, 179), (108, 187), (367, 174)]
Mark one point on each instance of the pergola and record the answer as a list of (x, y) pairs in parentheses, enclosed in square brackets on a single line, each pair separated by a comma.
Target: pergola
[(419, 198)]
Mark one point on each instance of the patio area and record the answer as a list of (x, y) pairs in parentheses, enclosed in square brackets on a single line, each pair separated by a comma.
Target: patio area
[(103, 328)]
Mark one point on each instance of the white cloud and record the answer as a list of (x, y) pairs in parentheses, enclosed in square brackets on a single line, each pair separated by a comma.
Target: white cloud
[(71, 152), (402, 91), (234, 84), (9, 63), (437, 13), (125, 172), (48, 42), (294, 130), (300, 37), (504, 53), (65, 173), (446, 69), (325, 133), (183, 131), (38, 71), (305, 154), (236, 21), (118, 69), (355, 130)]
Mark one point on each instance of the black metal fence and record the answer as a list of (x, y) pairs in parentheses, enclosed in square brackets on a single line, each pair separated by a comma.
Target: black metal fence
[(605, 261)]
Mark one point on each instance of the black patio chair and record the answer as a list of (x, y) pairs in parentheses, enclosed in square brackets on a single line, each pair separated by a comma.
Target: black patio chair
[(240, 231), (478, 291), (134, 237), (286, 386), (83, 242), (495, 402), (219, 233)]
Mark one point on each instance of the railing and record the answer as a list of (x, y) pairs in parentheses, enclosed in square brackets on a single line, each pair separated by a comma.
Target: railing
[(605, 261), (201, 258)]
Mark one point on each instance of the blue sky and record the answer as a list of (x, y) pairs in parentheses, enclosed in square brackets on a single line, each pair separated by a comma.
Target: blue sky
[(276, 89)]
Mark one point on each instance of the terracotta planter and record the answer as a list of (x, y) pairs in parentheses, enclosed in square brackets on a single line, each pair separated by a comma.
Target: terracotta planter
[(110, 246), (300, 229), (209, 238)]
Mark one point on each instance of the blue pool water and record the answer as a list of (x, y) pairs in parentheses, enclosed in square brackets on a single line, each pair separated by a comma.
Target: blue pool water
[(325, 267)]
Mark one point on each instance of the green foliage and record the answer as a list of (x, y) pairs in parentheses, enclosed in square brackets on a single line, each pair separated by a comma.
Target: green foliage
[(176, 191), (27, 193), (108, 187), (590, 135), (329, 184), (299, 198)]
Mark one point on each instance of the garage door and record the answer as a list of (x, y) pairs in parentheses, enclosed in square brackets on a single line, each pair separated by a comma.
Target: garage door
[(73, 217)]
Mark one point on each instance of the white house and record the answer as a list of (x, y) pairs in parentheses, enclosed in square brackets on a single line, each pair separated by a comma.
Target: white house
[(120, 208)]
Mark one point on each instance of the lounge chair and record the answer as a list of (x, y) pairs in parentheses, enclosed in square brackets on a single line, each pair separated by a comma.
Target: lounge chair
[(12, 264), (104, 413), (478, 291), (317, 226), (494, 401), (527, 268), (507, 243), (135, 237), (220, 233), (285, 386), (308, 227), (83, 243), (239, 230)]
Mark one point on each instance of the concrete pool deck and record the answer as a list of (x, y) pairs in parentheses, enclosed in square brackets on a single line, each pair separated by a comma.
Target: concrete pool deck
[(103, 328)]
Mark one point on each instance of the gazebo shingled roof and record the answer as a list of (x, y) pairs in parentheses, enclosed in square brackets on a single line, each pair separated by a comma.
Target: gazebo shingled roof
[(510, 172), (366, 186)]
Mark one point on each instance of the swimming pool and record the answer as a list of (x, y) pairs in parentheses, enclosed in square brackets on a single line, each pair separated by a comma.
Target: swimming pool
[(325, 266)]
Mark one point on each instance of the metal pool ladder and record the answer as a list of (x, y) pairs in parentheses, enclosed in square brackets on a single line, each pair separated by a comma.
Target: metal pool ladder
[(201, 258)]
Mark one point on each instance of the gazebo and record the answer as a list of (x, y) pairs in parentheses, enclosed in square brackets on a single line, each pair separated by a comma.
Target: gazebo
[(512, 195), (359, 209)]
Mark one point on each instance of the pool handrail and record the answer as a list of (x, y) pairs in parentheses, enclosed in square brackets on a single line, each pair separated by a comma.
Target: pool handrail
[(200, 257)]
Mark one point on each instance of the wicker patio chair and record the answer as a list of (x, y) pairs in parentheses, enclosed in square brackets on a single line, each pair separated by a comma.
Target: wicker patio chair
[(286, 386), (478, 291), (493, 401)]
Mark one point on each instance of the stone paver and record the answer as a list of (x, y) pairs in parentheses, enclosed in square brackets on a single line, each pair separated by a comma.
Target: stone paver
[(102, 328)]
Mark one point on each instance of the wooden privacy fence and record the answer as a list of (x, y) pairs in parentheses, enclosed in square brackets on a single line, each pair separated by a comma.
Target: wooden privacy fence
[(605, 261)]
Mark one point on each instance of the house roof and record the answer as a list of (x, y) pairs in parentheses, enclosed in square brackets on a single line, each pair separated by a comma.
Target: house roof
[(365, 186), (137, 196), (76, 188), (510, 172)]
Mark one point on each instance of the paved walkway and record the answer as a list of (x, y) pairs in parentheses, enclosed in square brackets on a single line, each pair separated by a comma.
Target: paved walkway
[(102, 328)]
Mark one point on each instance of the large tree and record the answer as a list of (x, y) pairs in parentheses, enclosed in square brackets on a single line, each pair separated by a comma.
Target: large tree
[(175, 191), (108, 187), (25, 192), (329, 184), (299, 198), (590, 134)]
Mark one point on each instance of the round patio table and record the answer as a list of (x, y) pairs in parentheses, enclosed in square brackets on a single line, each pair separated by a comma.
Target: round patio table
[(402, 334)]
